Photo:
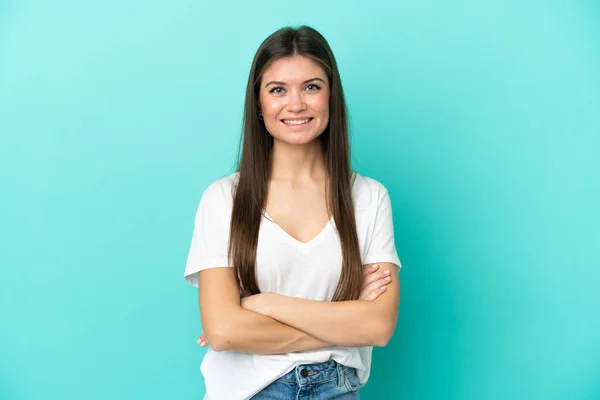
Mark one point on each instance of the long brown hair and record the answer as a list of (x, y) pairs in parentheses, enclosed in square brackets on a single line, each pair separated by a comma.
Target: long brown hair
[(254, 168)]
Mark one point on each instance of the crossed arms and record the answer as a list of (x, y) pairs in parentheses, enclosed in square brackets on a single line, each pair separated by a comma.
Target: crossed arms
[(269, 323)]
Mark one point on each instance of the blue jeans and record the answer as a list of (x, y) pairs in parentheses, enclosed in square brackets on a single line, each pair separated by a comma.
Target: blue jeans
[(325, 381)]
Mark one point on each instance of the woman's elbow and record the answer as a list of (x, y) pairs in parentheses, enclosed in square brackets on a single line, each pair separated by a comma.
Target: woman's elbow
[(219, 336), (221, 345), (383, 334)]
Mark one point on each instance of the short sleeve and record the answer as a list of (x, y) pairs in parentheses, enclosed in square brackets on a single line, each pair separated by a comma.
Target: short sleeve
[(210, 237), (382, 247)]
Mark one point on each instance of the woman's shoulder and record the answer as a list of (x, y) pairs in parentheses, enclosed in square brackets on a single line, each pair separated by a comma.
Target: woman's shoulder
[(221, 189), (366, 191)]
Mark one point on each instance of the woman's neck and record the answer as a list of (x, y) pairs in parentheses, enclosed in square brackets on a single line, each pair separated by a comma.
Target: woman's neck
[(297, 163)]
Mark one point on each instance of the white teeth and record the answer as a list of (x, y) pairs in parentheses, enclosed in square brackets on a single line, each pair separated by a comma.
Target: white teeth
[(297, 122)]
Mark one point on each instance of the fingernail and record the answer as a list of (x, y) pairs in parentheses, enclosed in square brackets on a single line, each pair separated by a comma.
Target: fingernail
[(388, 278), (386, 272), (383, 288), (375, 266)]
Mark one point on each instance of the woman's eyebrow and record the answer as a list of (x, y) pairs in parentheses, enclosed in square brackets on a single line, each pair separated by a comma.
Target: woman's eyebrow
[(283, 83)]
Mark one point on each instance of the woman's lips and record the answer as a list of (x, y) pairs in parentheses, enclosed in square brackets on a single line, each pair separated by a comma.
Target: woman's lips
[(298, 126)]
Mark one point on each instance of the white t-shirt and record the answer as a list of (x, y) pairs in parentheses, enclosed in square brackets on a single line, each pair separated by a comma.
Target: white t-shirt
[(288, 267)]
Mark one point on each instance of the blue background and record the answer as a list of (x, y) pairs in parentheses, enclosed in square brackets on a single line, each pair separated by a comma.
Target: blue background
[(481, 118)]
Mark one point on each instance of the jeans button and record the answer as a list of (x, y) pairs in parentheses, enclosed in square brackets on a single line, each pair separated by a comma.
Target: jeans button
[(304, 373)]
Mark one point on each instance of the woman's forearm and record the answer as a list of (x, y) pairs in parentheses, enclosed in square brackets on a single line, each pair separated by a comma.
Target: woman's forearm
[(259, 334), (345, 323), (272, 324)]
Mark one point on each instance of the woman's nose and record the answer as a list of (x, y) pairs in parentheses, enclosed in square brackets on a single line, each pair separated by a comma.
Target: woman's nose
[(295, 102)]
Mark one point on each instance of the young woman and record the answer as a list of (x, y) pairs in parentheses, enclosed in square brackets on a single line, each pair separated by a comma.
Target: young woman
[(293, 254)]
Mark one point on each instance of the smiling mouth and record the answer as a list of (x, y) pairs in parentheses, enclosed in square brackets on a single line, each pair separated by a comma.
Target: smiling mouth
[(297, 122)]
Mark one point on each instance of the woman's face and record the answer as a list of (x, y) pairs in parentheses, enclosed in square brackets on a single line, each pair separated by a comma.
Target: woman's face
[(292, 90)]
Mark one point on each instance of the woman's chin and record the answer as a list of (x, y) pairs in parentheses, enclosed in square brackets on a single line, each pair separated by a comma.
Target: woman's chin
[(296, 138)]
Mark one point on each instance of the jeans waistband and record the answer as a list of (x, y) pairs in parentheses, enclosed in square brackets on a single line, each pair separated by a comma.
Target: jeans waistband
[(306, 374)]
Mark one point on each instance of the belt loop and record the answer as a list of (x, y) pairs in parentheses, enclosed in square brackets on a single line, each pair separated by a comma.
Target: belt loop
[(340, 372)]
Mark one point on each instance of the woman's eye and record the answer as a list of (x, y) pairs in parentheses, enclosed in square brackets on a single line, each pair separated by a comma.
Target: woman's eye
[(279, 89)]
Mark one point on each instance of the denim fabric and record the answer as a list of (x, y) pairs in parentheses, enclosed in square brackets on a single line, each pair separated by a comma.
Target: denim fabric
[(325, 381)]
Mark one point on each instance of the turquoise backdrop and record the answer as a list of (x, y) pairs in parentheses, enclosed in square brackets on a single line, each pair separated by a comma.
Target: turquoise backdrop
[(481, 117)]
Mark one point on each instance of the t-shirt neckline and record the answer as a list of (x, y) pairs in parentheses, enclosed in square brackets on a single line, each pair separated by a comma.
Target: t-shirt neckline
[(295, 242)]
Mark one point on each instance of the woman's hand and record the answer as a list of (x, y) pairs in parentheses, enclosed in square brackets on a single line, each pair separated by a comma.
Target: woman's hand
[(374, 282), (202, 340)]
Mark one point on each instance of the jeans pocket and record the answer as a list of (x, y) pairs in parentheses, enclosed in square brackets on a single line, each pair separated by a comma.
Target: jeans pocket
[(351, 379)]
